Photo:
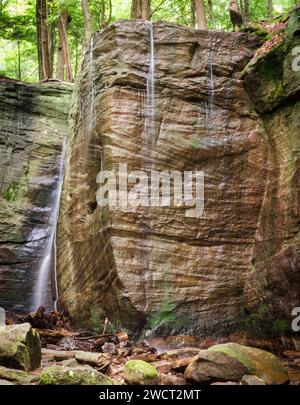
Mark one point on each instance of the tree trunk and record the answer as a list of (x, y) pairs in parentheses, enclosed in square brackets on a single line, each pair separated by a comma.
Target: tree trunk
[(211, 14), (19, 60), (270, 9), (193, 14), (200, 14), (42, 40), (87, 18), (105, 14), (246, 15), (52, 44), (60, 64), (141, 9), (64, 52)]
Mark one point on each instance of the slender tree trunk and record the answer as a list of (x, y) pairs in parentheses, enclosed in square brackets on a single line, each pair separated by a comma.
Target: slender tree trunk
[(60, 66), (76, 57), (270, 9), (141, 9), (211, 14), (42, 40), (200, 14), (87, 18), (193, 14), (52, 45), (19, 60), (246, 8), (105, 14), (63, 36)]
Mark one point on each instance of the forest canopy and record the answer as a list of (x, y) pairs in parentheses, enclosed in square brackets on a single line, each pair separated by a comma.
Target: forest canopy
[(40, 39)]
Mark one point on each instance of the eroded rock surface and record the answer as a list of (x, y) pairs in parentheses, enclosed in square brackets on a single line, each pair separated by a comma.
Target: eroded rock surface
[(33, 124), (272, 287), (132, 265)]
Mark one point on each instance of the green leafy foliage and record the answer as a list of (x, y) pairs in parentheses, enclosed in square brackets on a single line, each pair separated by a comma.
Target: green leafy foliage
[(18, 57), (164, 316)]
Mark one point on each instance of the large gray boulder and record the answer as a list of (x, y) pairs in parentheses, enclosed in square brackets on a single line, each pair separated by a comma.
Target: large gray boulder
[(20, 347)]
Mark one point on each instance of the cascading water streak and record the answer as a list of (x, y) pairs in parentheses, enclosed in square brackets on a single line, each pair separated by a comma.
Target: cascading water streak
[(149, 130), (43, 283), (149, 142), (210, 103)]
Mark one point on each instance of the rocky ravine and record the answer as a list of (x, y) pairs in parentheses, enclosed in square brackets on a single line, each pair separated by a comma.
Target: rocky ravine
[(208, 275), (33, 124)]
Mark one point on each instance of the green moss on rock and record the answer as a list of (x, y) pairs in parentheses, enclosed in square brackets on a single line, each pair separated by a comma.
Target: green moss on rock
[(82, 375), (138, 372), (260, 363)]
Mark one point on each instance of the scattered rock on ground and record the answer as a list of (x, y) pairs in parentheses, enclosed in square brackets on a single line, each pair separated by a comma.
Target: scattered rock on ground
[(4, 382), (81, 375), (18, 376), (20, 347), (2, 316), (260, 363), (252, 380), (169, 379), (209, 367), (138, 372)]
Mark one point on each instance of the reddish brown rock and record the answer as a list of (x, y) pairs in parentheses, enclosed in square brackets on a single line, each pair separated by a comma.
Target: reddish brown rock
[(129, 265)]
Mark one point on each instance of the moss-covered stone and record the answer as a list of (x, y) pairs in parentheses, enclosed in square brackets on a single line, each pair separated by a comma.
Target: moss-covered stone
[(270, 78), (209, 367), (138, 372), (20, 347), (260, 363), (82, 375), (17, 376)]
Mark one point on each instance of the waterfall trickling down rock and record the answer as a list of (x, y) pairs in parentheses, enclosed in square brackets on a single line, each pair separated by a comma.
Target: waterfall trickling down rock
[(43, 283), (149, 130), (210, 103)]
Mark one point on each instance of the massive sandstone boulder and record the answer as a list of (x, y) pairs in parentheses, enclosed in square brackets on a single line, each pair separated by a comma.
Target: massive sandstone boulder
[(134, 265), (237, 266), (33, 124)]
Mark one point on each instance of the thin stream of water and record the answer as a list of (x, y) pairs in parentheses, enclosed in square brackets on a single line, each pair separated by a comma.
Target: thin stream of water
[(43, 284)]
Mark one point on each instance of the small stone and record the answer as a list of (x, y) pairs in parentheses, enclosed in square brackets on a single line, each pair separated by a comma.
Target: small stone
[(252, 380), (4, 382), (138, 372), (109, 348), (169, 379), (69, 363), (225, 383), (2, 317), (18, 376)]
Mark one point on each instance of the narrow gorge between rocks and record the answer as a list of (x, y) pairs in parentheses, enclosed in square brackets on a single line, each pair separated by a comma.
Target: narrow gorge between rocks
[(154, 96)]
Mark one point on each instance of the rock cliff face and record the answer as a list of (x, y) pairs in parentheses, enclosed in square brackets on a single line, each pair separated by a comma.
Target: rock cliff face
[(32, 128), (272, 287), (147, 265)]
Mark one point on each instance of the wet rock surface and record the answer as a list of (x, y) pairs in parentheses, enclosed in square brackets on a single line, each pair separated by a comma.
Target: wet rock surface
[(33, 124), (155, 259)]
